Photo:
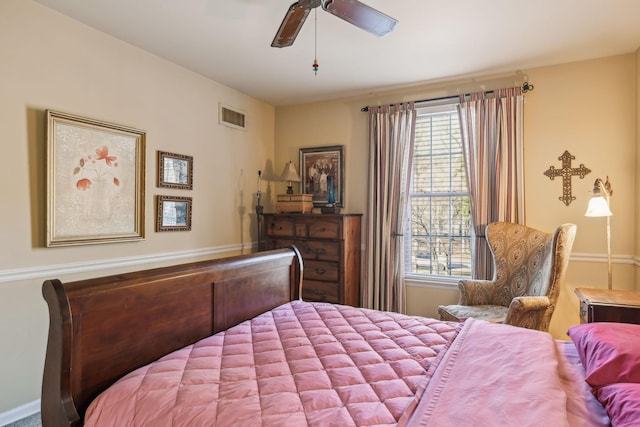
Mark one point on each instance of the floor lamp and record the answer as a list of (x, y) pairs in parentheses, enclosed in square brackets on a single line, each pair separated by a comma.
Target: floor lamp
[(599, 206)]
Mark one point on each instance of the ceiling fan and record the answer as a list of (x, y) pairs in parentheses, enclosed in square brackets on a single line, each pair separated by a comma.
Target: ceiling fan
[(353, 11)]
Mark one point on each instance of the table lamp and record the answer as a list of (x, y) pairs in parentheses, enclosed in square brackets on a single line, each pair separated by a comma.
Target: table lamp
[(290, 174)]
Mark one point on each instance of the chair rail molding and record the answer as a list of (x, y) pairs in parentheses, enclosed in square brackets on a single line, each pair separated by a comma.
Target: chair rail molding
[(48, 271)]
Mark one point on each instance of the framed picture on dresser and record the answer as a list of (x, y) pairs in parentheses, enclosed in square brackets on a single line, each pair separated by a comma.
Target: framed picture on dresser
[(322, 174)]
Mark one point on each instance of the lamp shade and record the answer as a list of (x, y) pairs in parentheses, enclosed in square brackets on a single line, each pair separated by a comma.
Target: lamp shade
[(599, 202), (290, 173), (598, 206)]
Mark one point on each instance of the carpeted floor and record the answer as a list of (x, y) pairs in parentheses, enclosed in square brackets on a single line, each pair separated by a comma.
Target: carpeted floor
[(32, 421)]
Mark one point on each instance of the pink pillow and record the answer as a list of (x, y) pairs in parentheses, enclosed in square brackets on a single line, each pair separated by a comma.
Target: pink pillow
[(622, 403), (609, 352)]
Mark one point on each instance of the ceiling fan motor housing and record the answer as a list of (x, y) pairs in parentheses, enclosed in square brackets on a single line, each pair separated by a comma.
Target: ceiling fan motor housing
[(309, 4)]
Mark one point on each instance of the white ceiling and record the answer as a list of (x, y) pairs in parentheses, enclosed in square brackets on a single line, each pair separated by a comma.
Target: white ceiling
[(229, 40)]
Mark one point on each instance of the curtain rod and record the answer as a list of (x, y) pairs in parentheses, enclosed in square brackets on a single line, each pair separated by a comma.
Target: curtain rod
[(526, 87)]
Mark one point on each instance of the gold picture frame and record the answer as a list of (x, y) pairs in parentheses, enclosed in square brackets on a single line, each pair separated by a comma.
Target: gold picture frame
[(173, 213), (95, 181), (175, 170)]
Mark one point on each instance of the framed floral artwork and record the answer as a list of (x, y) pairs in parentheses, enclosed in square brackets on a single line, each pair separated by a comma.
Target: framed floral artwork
[(173, 213), (322, 174), (175, 170), (95, 181)]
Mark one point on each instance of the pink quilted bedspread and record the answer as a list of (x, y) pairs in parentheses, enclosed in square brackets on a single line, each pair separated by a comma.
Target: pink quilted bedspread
[(299, 364)]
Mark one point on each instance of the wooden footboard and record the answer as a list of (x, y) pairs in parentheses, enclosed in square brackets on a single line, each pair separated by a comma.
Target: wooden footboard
[(103, 328)]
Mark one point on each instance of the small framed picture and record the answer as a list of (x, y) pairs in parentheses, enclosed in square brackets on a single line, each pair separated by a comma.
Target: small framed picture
[(322, 174), (175, 170), (173, 213)]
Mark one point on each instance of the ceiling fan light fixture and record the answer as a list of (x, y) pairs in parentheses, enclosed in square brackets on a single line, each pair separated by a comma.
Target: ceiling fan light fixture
[(315, 46)]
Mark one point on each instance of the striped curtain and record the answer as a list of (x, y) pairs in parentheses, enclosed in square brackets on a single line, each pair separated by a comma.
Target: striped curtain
[(493, 149), (391, 136)]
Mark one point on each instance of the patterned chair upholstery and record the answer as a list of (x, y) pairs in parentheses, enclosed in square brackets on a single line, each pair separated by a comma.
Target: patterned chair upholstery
[(529, 268)]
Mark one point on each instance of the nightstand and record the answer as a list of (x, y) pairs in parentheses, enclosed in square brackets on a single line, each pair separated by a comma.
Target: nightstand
[(602, 305)]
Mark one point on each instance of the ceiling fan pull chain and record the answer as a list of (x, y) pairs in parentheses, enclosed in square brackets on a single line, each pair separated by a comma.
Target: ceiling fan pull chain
[(315, 53)]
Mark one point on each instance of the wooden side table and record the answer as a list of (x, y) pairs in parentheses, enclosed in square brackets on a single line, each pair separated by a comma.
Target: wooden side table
[(602, 305)]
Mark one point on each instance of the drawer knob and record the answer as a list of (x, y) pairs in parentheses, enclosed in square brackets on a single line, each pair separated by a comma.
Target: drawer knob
[(319, 291), (320, 270), (320, 251)]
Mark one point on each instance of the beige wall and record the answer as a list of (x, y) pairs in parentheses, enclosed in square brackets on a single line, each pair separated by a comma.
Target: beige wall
[(587, 108), (48, 61)]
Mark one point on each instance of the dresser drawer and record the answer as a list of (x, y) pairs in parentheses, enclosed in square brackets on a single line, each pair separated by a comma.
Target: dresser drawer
[(320, 291), (612, 313), (319, 250), (301, 229), (281, 244), (325, 230), (309, 249), (280, 227), (321, 270)]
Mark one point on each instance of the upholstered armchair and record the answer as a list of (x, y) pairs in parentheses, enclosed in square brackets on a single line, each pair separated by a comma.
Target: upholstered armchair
[(529, 268)]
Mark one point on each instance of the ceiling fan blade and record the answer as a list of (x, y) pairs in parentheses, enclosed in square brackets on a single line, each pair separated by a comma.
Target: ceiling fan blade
[(361, 15), (290, 26)]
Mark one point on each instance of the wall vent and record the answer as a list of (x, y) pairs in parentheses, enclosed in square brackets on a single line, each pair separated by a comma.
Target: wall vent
[(232, 117)]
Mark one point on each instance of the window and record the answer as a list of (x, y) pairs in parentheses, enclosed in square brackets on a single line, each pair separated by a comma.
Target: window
[(439, 225)]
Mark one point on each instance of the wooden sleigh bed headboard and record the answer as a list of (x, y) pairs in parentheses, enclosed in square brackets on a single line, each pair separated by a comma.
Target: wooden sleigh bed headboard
[(103, 328)]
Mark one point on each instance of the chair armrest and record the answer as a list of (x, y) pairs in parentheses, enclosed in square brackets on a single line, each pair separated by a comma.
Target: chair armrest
[(476, 292), (529, 312)]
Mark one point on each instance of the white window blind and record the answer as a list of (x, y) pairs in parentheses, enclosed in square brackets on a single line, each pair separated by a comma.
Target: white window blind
[(438, 228)]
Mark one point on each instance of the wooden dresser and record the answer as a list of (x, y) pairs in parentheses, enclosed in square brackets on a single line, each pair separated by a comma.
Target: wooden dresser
[(330, 248)]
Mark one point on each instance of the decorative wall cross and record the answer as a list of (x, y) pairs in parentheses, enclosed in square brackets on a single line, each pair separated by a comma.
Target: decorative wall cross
[(566, 172)]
